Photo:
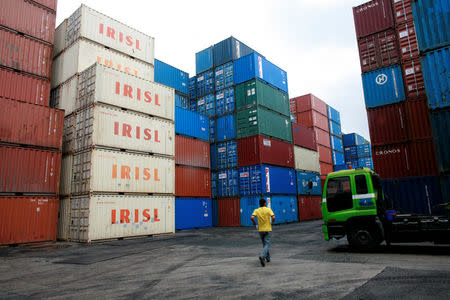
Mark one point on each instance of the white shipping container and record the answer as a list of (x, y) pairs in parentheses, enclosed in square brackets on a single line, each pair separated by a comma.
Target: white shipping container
[(102, 125), (99, 170), (99, 217), (64, 219), (68, 139), (82, 54), (66, 175), (64, 96), (306, 159), (60, 38)]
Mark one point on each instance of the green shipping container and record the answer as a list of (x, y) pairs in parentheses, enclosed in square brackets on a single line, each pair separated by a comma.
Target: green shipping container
[(256, 92), (259, 120)]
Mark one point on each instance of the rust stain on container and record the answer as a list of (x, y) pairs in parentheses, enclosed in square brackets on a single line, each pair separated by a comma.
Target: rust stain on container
[(192, 182), (229, 212), (192, 152)]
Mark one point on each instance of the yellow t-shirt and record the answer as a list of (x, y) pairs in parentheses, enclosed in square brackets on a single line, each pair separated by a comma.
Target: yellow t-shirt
[(263, 214)]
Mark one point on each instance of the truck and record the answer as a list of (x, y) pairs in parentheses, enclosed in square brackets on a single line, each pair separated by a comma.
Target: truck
[(354, 205)]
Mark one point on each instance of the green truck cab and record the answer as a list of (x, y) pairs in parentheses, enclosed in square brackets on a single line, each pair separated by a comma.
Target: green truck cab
[(353, 205)]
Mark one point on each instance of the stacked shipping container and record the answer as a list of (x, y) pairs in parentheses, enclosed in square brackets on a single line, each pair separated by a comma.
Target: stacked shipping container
[(357, 151), (337, 148), (31, 132)]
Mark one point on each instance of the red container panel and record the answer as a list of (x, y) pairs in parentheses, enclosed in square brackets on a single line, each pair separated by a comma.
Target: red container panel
[(23, 87), (308, 102), (388, 124), (29, 124), (47, 3), (414, 83), (192, 152), (325, 169), (25, 54), (313, 118), (24, 170), (372, 17), (28, 219), (418, 118), (322, 137), (229, 212), (378, 50), (304, 137), (28, 18), (409, 48), (259, 149), (403, 11), (423, 157), (192, 182), (309, 207), (392, 161), (325, 154)]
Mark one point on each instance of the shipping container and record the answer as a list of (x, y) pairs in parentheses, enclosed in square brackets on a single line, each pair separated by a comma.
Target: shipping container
[(402, 11), (205, 83), (387, 124), (47, 3), (214, 184), (365, 162), (193, 213), (445, 187), (423, 158), (100, 217), (313, 118), (284, 208), (65, 96), (24, 87), (28, 219), (258, 120), (227, 154), (25, 170), (28, 124), (409, 49), (338, 158), (384, 86), (373, 16), (351, 152), (100, 170), (225, 128), (306, 159), (352, 139), (418, 119), (256, 66), (228, 50), (68, 138), (83, 53), (336, 144), (333, 115), (63, 230), (215, 212), (306, 103), (192, 182), (25, 54), (265, 179), (191, 124), (204, 60), (192, 87), (227, 183), (431, 20), (364, 150), (212, 130), (225, 101), (172, 77), (181, 101), (256, 92), (322, 137), (213, 154), (223, 76), (229, 212), (436, 74), (193, 105), (417, 195), (339, 167), (324, 154), (259, 149), (414, 83), (65, 187), (303, 136), (28, 18), (391, 161), (335, 129), (308, 183), (309, 207), (192, 152), (206, 105), (325, 169), (440, 121)]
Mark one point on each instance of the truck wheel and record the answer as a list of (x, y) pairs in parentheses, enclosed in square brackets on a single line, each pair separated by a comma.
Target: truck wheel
[(362, 238)]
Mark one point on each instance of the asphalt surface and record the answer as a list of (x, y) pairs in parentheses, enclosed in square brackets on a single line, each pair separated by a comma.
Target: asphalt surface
[(222, 263)]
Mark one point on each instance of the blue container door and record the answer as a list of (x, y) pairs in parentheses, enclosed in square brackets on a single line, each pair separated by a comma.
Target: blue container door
[(215, 212), (364, 150), (214, 158), (225, 101), (206, 105), (265, 179), (214, 184), (204, 60), (212, 130), (227, 183), (224, 76), (205, 83), (284, 208), (227, 154), (191, 124), (436, 74), (192, 213), (225, 128), (303, 179), (181, 101), (192, 87), (248, 205)]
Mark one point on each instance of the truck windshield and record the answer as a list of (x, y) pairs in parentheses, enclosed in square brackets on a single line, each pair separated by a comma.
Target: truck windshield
[(339, 194)]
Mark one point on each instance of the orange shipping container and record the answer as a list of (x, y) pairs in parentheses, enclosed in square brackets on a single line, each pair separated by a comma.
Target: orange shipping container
[(192, 182), (192, 152)]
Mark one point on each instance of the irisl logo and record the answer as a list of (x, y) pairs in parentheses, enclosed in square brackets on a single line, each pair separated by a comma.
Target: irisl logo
[(381, 79)]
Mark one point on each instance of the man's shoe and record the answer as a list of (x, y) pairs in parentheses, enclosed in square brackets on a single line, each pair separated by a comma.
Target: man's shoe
[(267, 259), (261, 260)]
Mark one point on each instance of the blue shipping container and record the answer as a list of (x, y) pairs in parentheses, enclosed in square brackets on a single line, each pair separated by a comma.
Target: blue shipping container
[(432, 23), (205, 83), (440, 122), (365, 162), (303, 179), (284, 208), (225, 102), (333, 115), (193, 87), (383, 86), (181, 101), (193, 213), (350, 153), (228, 50), (352, 139), (172, 77), (338, 157), (215, 212), (436, 74), (364, 150), (335, 129), (214, 184), (213, 151), (193, 105), (223, 76), (445, 187), (225, 128), (204, 60), (336, 143), (206, 105), (226, 154), (418, 195), (191, 124), (353, 163), (227, 183), (256, 66), (265, 179), (212, 130), (340, 167)]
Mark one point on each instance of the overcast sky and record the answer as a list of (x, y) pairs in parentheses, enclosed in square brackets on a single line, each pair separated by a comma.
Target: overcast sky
[(313, 40)]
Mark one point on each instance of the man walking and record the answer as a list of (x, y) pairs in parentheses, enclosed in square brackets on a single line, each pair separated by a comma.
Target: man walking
[(264, 216)]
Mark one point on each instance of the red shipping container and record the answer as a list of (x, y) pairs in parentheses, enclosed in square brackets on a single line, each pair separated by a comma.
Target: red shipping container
[(409, 48), (423, 158), (24, 170), (309, 207), (23, 87), (29, 124), (372, 17), (325, 169), (392, 161), (414, 83), (388, 124), (304, 137), (418, 118), (28, 18), (47, 3), (378, 50), (25, 54), (308, 102), (403, 11), (192, 152), (28, 219), (259, 149), (322, 137), (229, 212), (325, 154), (313, 118), (192, 182)]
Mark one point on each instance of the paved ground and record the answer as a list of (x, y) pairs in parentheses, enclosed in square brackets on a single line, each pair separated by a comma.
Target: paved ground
[(221, 263)]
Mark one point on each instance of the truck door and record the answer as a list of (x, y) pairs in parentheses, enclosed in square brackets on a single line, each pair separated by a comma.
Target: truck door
[(339, 194)]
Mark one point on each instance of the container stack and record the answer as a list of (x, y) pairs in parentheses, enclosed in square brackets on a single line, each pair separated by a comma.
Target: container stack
[(394, 92), (337, 146), (118, 168), (31, 131), (357, 151)]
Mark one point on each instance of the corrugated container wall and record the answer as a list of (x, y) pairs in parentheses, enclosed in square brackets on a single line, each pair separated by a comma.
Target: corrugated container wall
[(387, 124), (226, 154), (204, 60), (192, 213), (306, 159), (192, 152), (192, 182), (306, 103), (308, 183), (402, 11), (303, 136), (47, 3), (418, 119), (414, 82), (436, 72), (225, 128), (284, 208), (333, 115), (228, 50), (227, 183), (352, 139), (265, 179), (392, 161), (313, 118), (309, 207), (409, 48), (229, 212), (172, 77), (440, 121), (191, 124), (372, 17)]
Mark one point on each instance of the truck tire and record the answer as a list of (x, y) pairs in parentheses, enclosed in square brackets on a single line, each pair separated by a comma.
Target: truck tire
[(362, 238)]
